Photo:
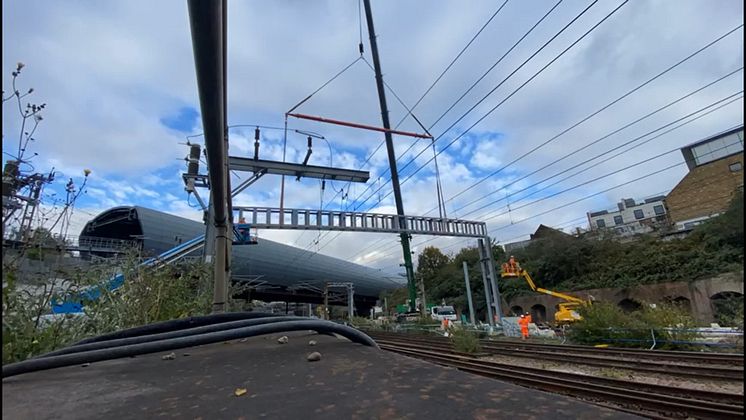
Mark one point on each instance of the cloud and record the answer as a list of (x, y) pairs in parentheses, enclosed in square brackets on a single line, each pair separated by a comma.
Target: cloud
[(121, 93)]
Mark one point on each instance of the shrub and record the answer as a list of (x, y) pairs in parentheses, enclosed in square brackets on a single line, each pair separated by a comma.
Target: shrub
[(464, 341), (147, 296), (606, 323)]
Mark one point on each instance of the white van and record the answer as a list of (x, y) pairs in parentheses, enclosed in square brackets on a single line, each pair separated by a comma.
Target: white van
[(439, 313)]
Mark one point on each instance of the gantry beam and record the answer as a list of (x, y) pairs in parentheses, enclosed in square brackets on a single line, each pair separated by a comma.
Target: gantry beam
[(306, 219), (295, 169)]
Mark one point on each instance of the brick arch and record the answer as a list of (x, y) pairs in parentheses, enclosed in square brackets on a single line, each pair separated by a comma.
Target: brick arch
[(680, 301), (722, 304), (629, 305), (516, 310), (539, 313)]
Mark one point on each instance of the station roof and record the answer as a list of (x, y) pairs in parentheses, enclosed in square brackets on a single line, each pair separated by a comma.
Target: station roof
[(269, 264)]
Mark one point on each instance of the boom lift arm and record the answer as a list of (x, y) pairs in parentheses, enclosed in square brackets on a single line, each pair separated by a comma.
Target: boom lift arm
[(523, 273), (566, 311)]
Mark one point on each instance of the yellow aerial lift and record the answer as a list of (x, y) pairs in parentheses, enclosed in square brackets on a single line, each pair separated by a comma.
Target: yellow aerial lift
[(566, 311)]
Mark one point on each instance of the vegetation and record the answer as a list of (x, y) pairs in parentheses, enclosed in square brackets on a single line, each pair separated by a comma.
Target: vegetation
[(464, 341), (729, 311), (569, 263), (147, 296), (606, 323), (443, 277), (565, 262)]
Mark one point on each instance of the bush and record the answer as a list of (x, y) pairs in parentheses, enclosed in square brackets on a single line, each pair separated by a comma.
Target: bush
[(729, 311), (606, 323), (464, 341), (147, 296)]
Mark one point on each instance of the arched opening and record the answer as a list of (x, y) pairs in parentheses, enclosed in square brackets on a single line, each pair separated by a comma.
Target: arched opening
[(727, 307), (679, 301), (539, 313), (629, 305), (516, 310)]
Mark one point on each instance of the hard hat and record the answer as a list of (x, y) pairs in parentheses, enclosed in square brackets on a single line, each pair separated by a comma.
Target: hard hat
[(523, 316)]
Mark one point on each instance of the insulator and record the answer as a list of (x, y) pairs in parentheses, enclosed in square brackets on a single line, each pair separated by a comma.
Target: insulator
[(193, 165), (256, 143)]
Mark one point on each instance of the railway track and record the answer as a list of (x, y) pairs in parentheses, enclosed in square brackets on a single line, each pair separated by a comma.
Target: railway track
[(648, 400), (729, 373)]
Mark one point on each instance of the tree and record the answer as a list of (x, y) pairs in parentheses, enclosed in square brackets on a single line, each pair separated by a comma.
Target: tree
[(429, 263)]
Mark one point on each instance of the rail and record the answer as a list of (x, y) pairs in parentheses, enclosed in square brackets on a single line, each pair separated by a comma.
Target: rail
[(654, 401)]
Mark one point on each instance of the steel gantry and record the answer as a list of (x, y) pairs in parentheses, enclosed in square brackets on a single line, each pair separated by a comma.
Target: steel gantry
[(208, 23)]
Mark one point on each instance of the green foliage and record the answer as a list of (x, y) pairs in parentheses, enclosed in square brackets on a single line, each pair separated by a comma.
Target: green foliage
[(394, 297), (146, 296), (564, 262), (729, 311), (362, 322), (606, 323), (726, 230), (429, 262), (464, 341)]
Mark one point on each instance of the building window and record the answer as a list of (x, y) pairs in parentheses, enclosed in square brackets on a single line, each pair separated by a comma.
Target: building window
[(659, 210), (735, 167), (601, 223), (718, 148), (618, 220), (639, 214)]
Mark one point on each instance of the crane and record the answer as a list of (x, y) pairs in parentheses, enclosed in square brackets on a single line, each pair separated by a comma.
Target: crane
[(566, 311)]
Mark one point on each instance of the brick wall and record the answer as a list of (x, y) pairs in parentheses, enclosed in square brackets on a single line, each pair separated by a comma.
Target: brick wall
[(705, 190)]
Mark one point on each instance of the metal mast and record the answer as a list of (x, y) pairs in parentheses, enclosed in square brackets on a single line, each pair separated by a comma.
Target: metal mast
[(392, 158)]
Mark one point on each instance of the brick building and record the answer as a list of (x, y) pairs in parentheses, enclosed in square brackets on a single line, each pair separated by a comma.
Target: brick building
[(715, 173)]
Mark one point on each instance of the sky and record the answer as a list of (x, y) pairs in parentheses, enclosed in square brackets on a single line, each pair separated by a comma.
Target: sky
[(119, 82)]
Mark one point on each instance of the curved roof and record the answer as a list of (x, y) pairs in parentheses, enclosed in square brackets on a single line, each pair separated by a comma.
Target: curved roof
[(272, 262)]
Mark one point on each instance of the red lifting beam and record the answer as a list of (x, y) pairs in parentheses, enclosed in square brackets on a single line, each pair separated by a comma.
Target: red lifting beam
[(363, 126)]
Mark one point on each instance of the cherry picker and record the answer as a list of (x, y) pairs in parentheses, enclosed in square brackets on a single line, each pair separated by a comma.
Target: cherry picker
[(566, 311)]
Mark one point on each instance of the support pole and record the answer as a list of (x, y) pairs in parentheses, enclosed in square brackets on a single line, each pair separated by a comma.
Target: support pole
[(350, 301), (326, 300), (206, 21), (468, 293), (493, 274), (392, 159), (490, 318)]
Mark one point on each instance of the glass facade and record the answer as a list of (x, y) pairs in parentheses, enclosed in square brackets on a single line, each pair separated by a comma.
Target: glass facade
[(718, 148)]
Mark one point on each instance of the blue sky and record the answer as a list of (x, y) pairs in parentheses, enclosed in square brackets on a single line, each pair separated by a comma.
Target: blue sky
[(122, 99)]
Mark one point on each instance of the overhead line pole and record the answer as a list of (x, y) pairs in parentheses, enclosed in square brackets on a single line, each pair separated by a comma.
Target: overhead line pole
[(392, 158), (206, 20)]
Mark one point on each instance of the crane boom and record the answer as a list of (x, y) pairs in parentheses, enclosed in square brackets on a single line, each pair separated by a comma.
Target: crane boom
[(523, 273)]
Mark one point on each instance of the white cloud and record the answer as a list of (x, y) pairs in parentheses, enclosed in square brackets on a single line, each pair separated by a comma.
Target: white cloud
[(109, 72)]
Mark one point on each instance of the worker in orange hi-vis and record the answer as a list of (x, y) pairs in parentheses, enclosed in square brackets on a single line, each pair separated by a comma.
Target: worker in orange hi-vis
[(523, 322), (512, 264), (528, 316)]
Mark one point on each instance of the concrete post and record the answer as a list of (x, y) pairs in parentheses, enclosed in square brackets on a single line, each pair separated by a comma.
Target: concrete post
[(220, 268), (468, 293), (493, 273), (490, 318)]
